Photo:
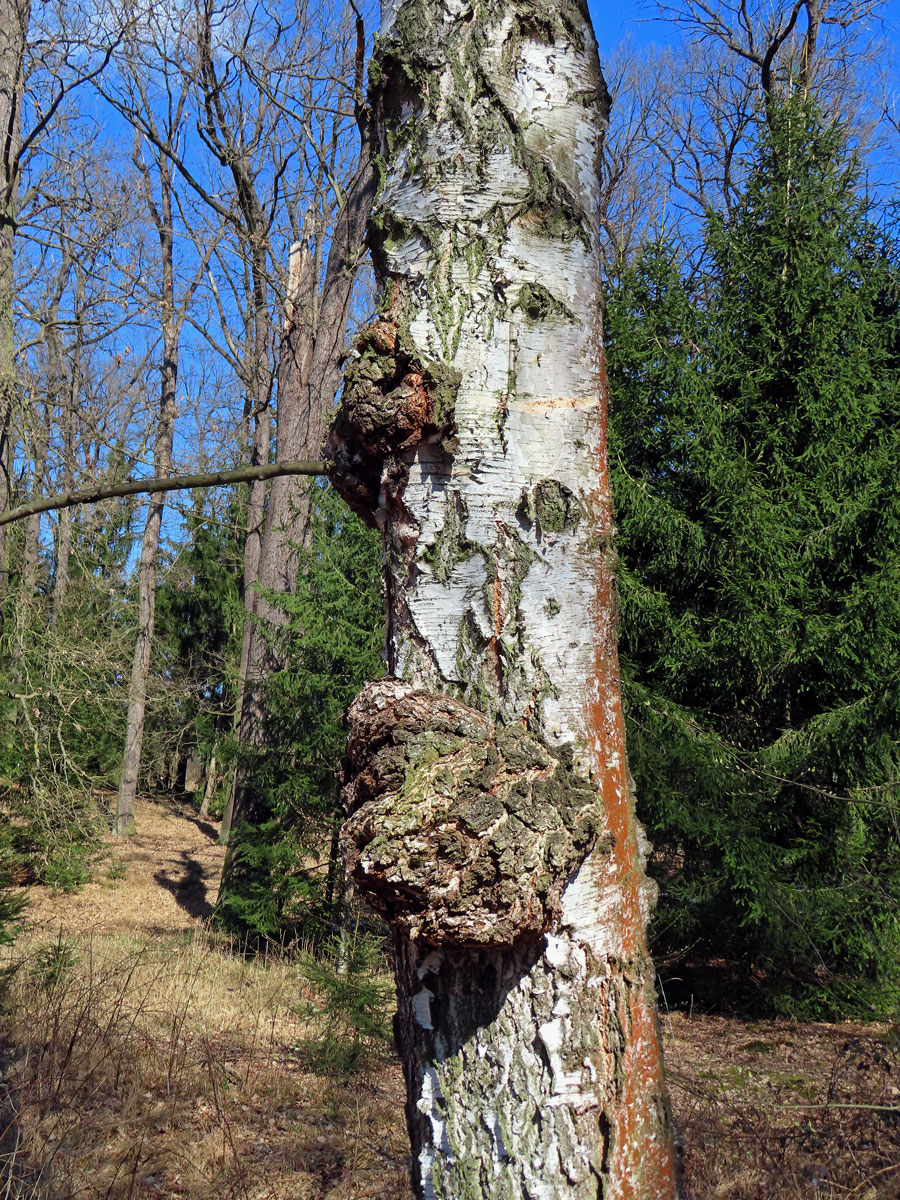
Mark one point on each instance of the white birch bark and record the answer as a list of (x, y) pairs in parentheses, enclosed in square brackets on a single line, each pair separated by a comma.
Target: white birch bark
[(492, 819)]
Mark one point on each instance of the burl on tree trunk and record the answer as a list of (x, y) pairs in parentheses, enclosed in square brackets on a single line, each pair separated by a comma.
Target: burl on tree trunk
[(491, 818)]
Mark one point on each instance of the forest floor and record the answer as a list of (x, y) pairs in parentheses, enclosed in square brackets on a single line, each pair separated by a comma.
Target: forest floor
[(146, 1057)]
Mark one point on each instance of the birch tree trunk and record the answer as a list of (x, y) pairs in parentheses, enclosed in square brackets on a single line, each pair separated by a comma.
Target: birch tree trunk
[(491, 816)]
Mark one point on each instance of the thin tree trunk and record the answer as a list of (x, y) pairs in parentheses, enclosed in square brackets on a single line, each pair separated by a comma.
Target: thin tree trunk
[(308, 377), (211, 780), (31, 547), (265, 558), (309, 373), (14, 18), (492, 817), (162, 466), (28, 553), (257, 376), (32, 540), (247, 713), (67, 421)]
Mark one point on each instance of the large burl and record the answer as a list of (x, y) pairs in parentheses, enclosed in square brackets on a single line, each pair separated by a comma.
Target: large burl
[(390, 403), (459, 831)]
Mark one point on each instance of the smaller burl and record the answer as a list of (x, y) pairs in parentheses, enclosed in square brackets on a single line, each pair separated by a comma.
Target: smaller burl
[(390, 404)]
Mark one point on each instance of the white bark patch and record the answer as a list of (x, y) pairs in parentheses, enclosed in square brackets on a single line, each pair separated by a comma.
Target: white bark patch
[(430, 1104), (421, 1003), (550, 618), (389, 10), (594, 916), (431, 962)]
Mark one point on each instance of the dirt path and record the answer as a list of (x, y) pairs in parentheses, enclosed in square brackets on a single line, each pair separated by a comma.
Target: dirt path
[(163, 880)]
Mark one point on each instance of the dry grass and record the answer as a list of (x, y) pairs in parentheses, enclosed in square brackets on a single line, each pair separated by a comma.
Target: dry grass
[(168, 1067), (147, 1058), (786, 1111)]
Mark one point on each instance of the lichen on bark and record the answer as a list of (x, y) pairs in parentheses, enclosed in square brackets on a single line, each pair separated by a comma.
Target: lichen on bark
[(551, 506), (490, 811), (459, 831), (451, 546)]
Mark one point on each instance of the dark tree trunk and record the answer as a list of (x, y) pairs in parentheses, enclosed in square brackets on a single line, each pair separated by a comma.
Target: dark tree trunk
[(162, 466), (14, 18)]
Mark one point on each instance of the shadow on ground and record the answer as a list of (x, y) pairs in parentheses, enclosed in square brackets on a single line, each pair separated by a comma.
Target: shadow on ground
[(189, 889)]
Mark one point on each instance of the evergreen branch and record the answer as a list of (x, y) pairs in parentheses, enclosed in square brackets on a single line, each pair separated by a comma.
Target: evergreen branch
[(732, 759), (172, 483)]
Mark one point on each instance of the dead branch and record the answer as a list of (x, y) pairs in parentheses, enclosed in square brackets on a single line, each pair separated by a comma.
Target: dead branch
[(172, 483)]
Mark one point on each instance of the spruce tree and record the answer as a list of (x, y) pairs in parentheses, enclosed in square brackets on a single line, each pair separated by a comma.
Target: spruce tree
[(755, 442), (331, 642), (199, 620)]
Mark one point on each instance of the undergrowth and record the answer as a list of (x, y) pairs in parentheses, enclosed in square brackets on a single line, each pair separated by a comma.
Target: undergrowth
[(354, 1002), (142, 1067)]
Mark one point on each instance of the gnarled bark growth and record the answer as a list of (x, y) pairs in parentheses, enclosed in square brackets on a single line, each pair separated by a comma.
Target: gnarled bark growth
[(491, 815), (460, 832)]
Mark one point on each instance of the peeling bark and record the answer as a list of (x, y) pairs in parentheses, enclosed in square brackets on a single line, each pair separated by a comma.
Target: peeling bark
[(472, 432)]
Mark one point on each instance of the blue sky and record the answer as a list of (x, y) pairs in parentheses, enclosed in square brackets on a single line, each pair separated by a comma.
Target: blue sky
[(615, 20)]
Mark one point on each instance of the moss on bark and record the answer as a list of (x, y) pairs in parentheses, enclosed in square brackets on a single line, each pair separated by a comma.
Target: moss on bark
[(460, 831), (551, 506), (391, 402)]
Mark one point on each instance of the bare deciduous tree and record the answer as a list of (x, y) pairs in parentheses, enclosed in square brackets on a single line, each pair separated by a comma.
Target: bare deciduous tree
[(14, 18), (260, 151), (681, 115), (159, 43), (308, 377)]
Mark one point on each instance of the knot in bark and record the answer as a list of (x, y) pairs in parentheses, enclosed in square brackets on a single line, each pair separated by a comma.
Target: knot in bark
[(459, 831), (390, 403)]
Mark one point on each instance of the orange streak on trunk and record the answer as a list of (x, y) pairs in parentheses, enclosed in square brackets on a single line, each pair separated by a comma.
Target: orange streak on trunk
[(641, 1163), (493, 649)]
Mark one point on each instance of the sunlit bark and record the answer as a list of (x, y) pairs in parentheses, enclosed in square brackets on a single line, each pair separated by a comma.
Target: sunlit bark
[(491, 813)]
